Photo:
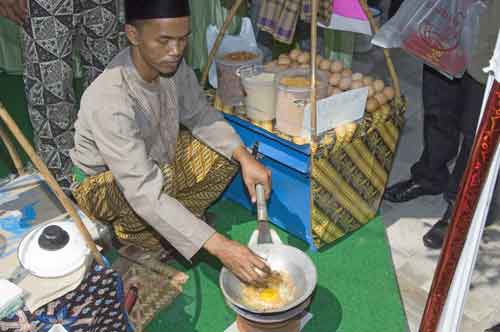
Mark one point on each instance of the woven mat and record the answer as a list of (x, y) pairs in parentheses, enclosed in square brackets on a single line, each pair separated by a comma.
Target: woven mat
[(158, 284)]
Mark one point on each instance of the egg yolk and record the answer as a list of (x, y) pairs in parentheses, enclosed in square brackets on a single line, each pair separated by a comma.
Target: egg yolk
[(269, 295)]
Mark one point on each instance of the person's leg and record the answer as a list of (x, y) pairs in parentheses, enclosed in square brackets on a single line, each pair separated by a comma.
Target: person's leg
[(48, 78), (100, 27), (429, 175), (202, 174), (441, 129), (471, 93), (197, 178), (100, 198)]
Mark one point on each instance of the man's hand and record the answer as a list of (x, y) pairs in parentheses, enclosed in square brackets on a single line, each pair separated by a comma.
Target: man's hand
[(240, 260), (253, 172), (14, 10)]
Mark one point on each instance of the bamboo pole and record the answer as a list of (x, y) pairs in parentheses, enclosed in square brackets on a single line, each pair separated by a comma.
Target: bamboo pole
[(388, 59), (12, 152), (52, 183), (314, 43), (218, 41)]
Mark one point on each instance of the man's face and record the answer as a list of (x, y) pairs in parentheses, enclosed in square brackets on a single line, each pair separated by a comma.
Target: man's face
[(161, 42)]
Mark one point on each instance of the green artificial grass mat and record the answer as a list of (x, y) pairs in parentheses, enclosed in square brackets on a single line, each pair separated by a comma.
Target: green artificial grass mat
[(357, 289)]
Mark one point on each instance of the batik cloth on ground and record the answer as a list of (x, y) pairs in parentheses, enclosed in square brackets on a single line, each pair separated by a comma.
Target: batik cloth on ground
[(96, 305), (197, 178), (52, 31), (157, 283), (280, 17)]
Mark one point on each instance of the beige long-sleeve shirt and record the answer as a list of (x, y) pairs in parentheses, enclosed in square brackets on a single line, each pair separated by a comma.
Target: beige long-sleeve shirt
[(130, 126)]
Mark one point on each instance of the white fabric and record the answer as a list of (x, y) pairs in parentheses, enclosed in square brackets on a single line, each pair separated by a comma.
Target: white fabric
[(10, 294), (244, 41), (343, 23)]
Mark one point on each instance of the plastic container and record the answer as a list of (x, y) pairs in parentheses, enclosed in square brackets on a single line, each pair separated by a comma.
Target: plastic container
[(260, 91), (292, 99), (229, 87), (363, 42)]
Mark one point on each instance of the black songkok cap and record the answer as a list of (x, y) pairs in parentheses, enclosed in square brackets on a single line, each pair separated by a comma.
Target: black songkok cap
[(149, 9)]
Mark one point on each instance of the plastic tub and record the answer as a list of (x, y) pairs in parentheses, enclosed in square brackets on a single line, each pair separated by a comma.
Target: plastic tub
[(229, 87), (292, 99), (260, 90)]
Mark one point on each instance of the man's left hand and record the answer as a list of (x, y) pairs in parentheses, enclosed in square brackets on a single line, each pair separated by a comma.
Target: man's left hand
[(253, 172)]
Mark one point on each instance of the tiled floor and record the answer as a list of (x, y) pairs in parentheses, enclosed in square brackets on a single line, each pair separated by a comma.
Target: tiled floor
[(407, 222)]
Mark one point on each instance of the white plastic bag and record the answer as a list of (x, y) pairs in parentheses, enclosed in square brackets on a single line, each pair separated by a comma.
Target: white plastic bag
[(389, 35), (440, 32), (244, 41)]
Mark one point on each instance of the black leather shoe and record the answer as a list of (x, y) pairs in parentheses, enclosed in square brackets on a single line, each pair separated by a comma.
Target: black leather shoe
[(406, 191), (434, 238), (495, 328)]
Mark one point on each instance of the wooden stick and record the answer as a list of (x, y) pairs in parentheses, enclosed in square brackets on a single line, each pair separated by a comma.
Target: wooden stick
[(218, 41), (314, 97), (52, 183), (388, 59), (12, 152), (478, 166)]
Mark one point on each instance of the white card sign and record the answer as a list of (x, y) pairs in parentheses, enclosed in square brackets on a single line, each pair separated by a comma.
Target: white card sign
[(337, 110)]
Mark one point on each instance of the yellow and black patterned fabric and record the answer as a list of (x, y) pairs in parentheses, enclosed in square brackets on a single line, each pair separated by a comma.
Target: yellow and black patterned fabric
[(197, 178), (349, 172)]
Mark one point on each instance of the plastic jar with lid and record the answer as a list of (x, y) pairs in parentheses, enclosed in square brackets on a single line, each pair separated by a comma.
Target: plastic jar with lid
[(293, 93), (260, 92), (228, 63)]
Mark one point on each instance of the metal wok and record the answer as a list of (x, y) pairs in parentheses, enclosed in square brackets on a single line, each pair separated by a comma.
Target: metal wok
[(279, 257)]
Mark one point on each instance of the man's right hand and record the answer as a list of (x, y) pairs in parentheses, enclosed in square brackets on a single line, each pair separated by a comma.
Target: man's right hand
[(14, 10), (240, 260)]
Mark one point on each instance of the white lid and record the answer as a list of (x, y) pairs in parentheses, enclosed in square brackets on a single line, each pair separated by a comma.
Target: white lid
[(53, 263)]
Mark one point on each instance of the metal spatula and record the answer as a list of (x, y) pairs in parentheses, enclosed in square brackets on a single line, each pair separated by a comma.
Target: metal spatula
[(264, 232)]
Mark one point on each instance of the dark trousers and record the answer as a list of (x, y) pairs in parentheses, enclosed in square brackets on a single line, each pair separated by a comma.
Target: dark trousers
[(451, 111)]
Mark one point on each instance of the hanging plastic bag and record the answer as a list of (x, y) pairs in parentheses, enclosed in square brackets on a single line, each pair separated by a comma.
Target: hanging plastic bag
[(389, 35), (440, 32), (244, 41)]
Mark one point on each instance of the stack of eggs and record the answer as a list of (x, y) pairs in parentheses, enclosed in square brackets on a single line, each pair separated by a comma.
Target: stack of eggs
[(341, 78)]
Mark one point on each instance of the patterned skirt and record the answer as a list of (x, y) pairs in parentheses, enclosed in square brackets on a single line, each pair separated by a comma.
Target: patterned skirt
[(196, 178)]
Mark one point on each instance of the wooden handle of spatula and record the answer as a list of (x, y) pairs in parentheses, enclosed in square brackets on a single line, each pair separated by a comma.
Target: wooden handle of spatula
[(51, 182)]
